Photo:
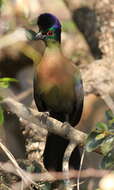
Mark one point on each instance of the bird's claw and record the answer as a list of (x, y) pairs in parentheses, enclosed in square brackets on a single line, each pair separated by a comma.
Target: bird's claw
[(65, 123), (44, 116)]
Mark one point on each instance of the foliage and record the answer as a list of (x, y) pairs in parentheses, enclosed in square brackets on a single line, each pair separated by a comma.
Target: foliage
[(1, 116), (102, 138), (4, 83), (0, 3)]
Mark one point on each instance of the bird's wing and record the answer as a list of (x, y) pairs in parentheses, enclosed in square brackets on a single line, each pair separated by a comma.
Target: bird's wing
[(79, 98), (38, 96)]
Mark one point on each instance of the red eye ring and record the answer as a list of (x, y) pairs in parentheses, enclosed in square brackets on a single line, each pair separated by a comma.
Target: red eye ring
[(49, 33)]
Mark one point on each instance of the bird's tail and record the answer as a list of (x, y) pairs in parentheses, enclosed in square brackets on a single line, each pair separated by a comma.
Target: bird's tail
[(54, 153)]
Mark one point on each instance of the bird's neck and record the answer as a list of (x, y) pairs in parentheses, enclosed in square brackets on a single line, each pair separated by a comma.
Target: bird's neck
[(53, 49), (53, 45)]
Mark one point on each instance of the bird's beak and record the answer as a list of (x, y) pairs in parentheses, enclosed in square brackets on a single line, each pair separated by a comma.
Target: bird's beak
[(40, 36)]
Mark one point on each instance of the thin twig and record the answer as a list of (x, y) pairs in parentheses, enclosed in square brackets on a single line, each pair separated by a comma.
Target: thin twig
[(81, 163), (23, 95), (19, 171)]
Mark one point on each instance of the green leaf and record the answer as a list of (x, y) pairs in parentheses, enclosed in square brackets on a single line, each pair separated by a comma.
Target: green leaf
[(109, 115), (108, 160), (1, 116), (107, 145), (4, 82), (7, 79), (111, 123), (100, 136), (1, 1), (101, 126), (93, 142), (44, 186)]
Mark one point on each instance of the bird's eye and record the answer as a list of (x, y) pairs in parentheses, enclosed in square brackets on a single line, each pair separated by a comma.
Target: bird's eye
[(50, 33)]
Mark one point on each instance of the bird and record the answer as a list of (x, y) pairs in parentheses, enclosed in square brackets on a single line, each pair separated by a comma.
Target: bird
[(58, 89)]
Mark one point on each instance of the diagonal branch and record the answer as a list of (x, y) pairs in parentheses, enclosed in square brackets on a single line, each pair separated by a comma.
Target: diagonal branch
[(43, 121)]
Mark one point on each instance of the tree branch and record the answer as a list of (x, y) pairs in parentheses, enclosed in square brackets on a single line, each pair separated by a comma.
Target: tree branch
[(43, 121), (52, 176)]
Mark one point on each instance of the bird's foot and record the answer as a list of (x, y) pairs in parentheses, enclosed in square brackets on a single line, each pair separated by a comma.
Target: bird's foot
[(44, 117), (65, 126)]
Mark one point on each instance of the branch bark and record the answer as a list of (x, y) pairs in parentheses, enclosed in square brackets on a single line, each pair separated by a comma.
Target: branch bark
[(52, 176), (43, 121)]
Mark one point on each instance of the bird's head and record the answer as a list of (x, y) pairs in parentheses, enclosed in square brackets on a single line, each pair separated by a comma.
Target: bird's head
[(49, 28)]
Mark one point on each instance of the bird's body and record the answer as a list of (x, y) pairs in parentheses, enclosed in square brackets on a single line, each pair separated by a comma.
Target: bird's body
[(58, 89)]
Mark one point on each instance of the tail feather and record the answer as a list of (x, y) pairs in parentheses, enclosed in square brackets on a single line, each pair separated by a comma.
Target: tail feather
[(54, 152)]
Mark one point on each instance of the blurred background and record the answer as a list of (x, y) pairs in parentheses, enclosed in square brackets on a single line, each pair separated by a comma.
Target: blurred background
[(80, 43)]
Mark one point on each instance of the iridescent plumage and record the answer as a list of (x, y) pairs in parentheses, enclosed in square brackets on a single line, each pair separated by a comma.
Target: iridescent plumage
[(57, 89)]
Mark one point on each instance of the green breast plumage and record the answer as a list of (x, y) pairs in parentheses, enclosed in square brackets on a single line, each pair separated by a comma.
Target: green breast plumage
[(58, 98), (57, 84)]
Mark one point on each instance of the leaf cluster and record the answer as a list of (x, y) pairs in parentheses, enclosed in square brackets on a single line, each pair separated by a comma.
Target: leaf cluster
[(4, 83), (102, 138)]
